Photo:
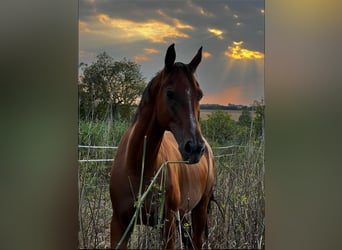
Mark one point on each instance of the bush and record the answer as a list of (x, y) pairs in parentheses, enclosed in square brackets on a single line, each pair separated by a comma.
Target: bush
[(218, 128)]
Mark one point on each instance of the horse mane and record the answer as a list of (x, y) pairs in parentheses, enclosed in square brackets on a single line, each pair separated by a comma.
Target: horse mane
[(146, 96)]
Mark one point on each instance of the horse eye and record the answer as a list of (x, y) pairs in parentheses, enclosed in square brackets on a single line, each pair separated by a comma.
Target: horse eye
[(170, 94), (200, 95)]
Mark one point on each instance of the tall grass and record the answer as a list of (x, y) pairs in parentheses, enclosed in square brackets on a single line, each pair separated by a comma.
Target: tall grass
[(239, 190), (94, 201)]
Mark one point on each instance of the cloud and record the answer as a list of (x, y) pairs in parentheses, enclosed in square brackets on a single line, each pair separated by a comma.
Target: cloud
[(199, 9), (86, 54), (151, 50), (83, 27), (141, 58), (144, 57), (181, 25), (142, 30), (216, 32), (155, 31), (206, 54), (235, 51), (175, 21)]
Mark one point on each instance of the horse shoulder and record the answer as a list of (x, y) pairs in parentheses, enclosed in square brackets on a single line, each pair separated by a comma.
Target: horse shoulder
[(119, 181)]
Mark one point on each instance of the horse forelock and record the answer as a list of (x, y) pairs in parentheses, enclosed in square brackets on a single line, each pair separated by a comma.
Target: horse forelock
[(186, 70)]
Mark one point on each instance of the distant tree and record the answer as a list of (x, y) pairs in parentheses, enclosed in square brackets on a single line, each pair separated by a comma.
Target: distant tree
[(108, 88), (245, 119), (259, 119), (219, 127)]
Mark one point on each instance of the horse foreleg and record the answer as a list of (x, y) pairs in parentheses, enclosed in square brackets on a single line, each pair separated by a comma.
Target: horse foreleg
[(199, 221), (116, 234)]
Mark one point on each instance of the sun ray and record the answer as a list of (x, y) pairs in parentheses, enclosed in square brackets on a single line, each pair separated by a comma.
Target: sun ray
[(236, 51)]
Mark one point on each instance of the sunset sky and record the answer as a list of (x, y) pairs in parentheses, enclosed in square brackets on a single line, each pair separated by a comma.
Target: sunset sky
[(231, 33)]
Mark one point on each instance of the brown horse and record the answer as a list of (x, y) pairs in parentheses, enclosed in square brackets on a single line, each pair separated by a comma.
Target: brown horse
[(168, 114)]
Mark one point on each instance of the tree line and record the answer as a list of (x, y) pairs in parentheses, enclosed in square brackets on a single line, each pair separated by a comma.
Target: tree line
[(109, 89), (230, 106)]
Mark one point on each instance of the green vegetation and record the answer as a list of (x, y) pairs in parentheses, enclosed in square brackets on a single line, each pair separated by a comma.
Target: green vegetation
[(239, 187), (245, 118), (240, 169), (220, 129), (109, 88)]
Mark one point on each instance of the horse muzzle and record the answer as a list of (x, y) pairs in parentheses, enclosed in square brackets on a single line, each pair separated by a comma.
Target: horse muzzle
[(192, 151)]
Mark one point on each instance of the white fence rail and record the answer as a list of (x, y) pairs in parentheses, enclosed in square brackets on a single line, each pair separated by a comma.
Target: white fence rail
[(115, 147), (96, 160), (111, 147)]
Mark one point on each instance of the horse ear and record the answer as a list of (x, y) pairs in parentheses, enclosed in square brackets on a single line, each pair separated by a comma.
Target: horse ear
[(196, 60), (170, 56)]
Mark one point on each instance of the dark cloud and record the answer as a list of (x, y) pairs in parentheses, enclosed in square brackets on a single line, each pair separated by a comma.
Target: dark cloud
[(236, 20)]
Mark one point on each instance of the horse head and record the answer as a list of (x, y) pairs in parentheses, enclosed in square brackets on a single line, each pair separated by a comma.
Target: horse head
[(178, 107)]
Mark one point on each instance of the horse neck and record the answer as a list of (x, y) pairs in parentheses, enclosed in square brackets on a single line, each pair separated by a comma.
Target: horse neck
[(145, 124)]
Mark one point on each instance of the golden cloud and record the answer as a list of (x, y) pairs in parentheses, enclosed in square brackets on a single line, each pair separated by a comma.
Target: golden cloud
[(84, 27), (176, 21), (216, 32), (206, 54), (141, 58), (103, 18), (181, 25), (237, 52), (144, 57), (152, 30), (151, 51), (199, 10)]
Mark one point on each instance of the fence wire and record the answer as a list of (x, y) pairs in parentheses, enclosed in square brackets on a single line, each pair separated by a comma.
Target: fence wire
[(116, 147)]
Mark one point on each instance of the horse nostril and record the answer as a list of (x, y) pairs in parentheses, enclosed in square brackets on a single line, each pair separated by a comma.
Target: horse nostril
[(191, 148), (188, 147)]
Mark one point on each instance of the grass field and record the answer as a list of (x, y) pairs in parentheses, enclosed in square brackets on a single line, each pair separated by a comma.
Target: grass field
[(239, 189)]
